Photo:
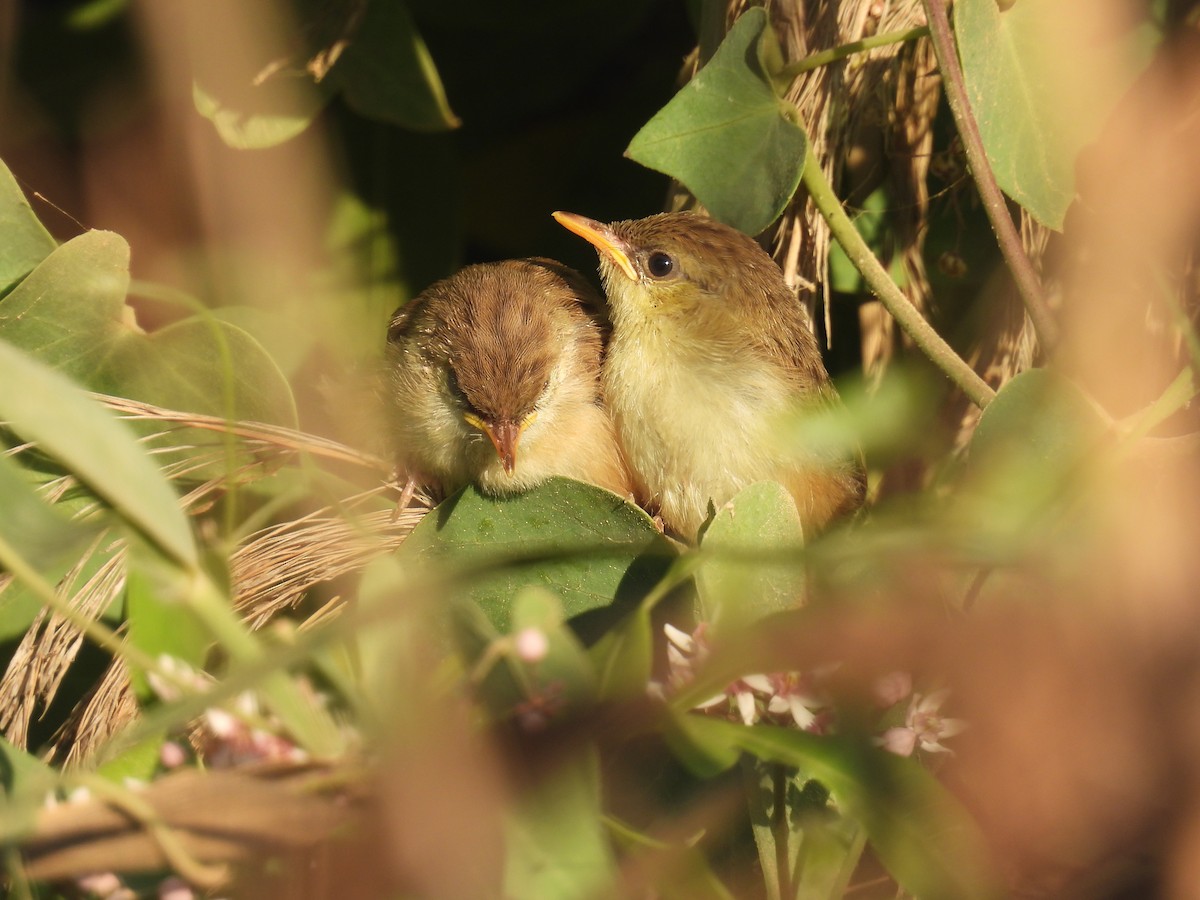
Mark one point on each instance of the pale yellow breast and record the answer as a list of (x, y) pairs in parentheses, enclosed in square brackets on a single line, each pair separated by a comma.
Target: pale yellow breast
[(695, 427)]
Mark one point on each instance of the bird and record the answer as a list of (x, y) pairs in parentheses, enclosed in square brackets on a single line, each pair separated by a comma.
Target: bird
[(492, 378), (710, 348)]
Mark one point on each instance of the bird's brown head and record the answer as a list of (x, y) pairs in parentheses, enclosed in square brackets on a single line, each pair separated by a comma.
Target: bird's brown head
[(495, 334), (678, 265)]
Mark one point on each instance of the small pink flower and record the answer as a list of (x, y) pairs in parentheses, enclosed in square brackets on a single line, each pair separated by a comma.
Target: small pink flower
[(924, 727), (791, 695)]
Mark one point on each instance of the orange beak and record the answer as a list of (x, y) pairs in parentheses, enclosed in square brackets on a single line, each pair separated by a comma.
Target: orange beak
[(601, 237), (505, 435)]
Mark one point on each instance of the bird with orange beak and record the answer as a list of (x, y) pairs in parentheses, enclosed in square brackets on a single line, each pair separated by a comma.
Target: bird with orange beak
[(710, 351), (493, 378)]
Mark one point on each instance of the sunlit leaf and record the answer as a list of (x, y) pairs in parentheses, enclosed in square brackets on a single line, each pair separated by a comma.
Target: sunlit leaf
[(71, 313), (1042, 76), (623, 657), (101, 451), (601, 555), (276, 113), (26, 242), (727, 136), (160, 622)]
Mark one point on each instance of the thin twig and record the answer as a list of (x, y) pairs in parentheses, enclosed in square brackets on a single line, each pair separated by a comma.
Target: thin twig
[(994, 203), (906, 315), (825, 57)]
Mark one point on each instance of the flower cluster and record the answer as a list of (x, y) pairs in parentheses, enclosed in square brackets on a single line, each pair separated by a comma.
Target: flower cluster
[(223, 738), (797, 698), (779, 698)]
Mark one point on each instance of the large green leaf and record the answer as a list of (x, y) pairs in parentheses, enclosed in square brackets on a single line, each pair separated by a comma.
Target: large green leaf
[(71, 313), (727, 136), (597, 552), (25, 243), (44, 406), (1041, 77)]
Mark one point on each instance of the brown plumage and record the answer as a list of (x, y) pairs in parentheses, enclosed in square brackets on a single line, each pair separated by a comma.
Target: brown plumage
[(710, 349), (494, 379)]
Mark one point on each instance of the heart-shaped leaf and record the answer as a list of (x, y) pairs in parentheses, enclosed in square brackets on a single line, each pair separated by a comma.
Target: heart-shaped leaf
[(1041, 79), (71, 313), (727, 136)]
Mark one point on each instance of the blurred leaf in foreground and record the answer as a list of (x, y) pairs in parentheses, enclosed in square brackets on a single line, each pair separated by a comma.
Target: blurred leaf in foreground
[(1031, 450), (761, 519), (100, 451)]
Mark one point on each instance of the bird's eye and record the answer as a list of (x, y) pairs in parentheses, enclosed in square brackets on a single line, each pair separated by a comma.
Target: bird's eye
[(660, 264)]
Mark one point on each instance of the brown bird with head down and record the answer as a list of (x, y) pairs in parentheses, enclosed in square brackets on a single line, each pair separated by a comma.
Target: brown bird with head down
[(494, 377), (710, 349)]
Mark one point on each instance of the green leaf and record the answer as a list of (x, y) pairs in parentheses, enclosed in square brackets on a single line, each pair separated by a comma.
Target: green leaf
[(623, 658), (1041, 80), (566, 664), (71, 313), (26, 243), (1029, 454), (680, 870), (556, 846), (597, 552), (727, 136), (40, 533), (26, 781), (705, 752), (871, 221), (139, 762), (272, 114), (762, 518), (46, 407), (160, 621), (387, 73)]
